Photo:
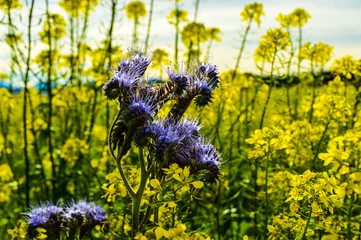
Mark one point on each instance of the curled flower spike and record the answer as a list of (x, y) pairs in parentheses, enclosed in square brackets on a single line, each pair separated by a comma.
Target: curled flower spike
[(141, 107), (205, 93), (111, 89), (47, 216), (180, 81), (127, 75), (211, 73), (206, 160), (141, 62)]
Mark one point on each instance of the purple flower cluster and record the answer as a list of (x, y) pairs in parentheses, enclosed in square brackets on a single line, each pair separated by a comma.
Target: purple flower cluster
[(172, 139), (84, 211), (82, 214), (47, 216), (182, 143), (126, 75)]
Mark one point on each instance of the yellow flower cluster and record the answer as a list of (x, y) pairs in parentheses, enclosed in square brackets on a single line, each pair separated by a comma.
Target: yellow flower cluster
[(345, 66), (253, 11), (267, 139), (176, 233), (332, 107)]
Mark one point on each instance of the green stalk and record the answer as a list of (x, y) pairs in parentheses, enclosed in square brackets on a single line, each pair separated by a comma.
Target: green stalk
[(288, 74), (149, 23), (176, 33), (298, 66), (313, 92), (26, 80), (318, 146), (266, 189), (349, 215), (137, 198), (307, 225), (135, 37), (241, 48), (269, 90), (50, 104)]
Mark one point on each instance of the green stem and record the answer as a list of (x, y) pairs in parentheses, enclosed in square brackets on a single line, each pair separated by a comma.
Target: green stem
[(318, 146), (349, 215), (241, 49), (307, 224), (269, 90), (149, 24), (27, 162), (266, 191), (137, 198)]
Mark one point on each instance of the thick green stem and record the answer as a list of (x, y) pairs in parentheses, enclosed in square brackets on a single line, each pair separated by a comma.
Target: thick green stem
[(137, 198)]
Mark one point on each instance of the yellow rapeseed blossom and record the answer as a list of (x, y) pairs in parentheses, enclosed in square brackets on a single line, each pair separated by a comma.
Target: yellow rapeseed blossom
[(5, 172), (267, 139), (177, 13), (253, 11), (299, 17), (7, 5), (135, 10), (331, 107), (75, 7), (345, 66)]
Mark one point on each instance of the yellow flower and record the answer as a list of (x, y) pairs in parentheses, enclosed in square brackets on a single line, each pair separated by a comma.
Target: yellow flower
[(135, 10), (345, 66), (254, 12)]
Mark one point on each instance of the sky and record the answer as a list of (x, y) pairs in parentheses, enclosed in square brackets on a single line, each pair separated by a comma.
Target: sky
[(334, 22)]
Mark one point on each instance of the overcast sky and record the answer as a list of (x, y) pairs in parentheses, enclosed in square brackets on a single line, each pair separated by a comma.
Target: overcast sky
[(334, 22)]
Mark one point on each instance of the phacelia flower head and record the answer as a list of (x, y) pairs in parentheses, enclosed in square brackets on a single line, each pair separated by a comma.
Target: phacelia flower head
[(180, 81), (205, 160), (140, 109), (78, 210), (84, 215), (127, 75), (141, 62), (204, 96), (47, 216), (85, 211), (111, 89), (210, 72)]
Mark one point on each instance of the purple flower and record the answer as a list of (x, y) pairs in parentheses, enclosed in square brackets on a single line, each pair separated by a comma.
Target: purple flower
[(84, 215), (96, 214), (126, 75), (47, 216), (140, 109), (85, 211), (205, 160), (141, 62), (180, 81), (77, 210), (210, 72), (111, 89)]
